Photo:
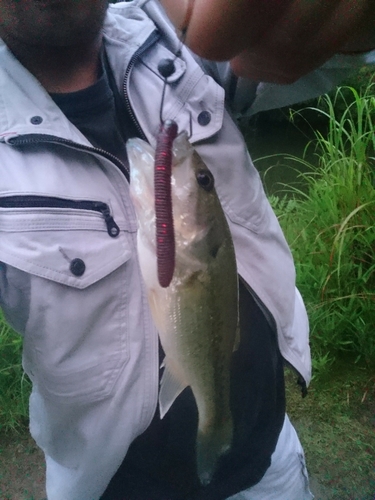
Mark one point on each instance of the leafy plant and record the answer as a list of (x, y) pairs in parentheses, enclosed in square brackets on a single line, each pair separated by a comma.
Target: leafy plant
[(14, 384), (330, 226)]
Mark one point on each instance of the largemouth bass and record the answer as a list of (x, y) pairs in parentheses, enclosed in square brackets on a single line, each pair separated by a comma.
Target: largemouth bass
[(197, 314)]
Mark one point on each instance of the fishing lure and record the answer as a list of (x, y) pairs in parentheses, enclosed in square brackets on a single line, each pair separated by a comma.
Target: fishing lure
[(165, 241)]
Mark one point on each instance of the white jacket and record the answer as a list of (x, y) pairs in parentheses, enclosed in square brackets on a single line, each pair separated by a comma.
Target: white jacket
[(73, 290)]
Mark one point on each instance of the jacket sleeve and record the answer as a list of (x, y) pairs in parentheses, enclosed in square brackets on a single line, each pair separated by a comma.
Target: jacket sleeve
[(246, 98)]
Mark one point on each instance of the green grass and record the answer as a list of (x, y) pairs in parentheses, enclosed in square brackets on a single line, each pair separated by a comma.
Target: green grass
[(336, 424), (14, 384), (330, 226)]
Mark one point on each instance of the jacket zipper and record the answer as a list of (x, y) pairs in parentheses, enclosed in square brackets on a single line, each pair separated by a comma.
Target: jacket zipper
[(40, 138), (41, 201), (53, 139), (137, 54), (35, 201)]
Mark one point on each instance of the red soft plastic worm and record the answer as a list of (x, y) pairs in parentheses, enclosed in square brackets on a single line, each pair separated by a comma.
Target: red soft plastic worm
[(165, 242)]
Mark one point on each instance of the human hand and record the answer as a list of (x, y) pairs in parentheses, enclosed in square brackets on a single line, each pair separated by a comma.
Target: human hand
[(274, 40)]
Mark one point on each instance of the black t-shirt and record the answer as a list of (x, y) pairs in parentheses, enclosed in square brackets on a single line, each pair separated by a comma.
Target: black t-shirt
[(160, 464), (95, 112)]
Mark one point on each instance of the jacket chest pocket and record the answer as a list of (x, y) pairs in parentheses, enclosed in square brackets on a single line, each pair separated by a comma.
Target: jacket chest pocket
[(66, 265)]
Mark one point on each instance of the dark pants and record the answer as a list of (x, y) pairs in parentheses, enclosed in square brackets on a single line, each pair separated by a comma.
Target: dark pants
[(160, 464)]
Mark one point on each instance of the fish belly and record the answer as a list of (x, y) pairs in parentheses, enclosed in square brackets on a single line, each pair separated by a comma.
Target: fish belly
[(198, 339)]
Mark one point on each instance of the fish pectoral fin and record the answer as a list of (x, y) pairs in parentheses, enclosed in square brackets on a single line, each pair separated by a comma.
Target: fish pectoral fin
[(171, 386)]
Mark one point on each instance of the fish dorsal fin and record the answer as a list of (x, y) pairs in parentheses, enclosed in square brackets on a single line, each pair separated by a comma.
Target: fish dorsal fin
[(171, 386)]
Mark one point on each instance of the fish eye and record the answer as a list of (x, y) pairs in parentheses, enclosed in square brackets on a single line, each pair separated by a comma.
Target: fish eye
[(205, 179)]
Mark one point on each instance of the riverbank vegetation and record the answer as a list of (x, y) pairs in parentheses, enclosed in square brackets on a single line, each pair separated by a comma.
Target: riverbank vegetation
[(328, 217), (330, 226), (14, 384)]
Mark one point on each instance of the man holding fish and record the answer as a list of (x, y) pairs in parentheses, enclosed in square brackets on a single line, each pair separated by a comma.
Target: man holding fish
[(87, 94)]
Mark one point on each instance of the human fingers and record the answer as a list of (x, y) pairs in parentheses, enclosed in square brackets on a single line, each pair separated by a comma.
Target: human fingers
[(306, 36), (277, 40), (221, 29)]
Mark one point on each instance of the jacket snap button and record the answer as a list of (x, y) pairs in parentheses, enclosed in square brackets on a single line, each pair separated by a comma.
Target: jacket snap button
[(204, 118), (77, 267), (166, 67), (36, 120)]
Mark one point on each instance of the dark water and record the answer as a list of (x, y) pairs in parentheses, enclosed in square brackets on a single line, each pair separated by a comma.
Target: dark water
[(265, 139)]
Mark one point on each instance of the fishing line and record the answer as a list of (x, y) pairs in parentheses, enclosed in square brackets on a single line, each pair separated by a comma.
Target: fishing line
[(167, 66)]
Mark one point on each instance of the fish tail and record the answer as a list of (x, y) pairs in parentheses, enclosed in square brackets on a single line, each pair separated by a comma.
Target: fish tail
[(211, 444)]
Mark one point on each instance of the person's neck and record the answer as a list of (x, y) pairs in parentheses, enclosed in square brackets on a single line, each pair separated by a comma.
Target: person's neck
[(62, 69)]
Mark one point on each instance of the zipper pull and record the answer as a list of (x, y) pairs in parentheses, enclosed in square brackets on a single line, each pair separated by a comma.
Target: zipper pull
[(112, 227)]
